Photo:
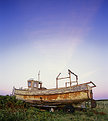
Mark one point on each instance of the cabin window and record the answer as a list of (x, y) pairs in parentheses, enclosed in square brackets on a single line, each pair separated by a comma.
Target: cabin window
[(29, 84), (35, 85)]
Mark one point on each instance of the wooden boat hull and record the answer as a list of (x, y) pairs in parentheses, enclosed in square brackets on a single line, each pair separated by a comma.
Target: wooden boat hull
[(74, 94)]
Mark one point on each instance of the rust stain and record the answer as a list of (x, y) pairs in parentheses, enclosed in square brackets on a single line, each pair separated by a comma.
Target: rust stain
[(25, 97)]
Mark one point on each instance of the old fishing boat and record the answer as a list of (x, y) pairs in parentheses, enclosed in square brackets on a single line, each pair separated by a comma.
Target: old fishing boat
[(70, 94)]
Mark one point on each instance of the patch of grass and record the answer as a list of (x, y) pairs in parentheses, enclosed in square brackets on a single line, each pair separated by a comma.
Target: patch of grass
[(16, 110)]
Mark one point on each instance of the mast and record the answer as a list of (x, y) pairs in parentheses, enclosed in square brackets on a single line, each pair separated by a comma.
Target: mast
[(39, 76)]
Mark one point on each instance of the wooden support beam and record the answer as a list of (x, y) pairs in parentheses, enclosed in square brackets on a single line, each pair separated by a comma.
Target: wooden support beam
[(63, 78)]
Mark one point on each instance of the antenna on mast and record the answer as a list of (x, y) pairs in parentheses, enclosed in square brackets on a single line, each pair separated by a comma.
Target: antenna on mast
[(39, 76)]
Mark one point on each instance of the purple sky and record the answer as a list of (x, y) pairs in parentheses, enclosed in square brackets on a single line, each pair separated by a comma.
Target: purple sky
[(52, 36)]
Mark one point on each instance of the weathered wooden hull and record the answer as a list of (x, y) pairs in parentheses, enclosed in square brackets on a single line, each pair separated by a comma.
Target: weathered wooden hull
[(73, 94)]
